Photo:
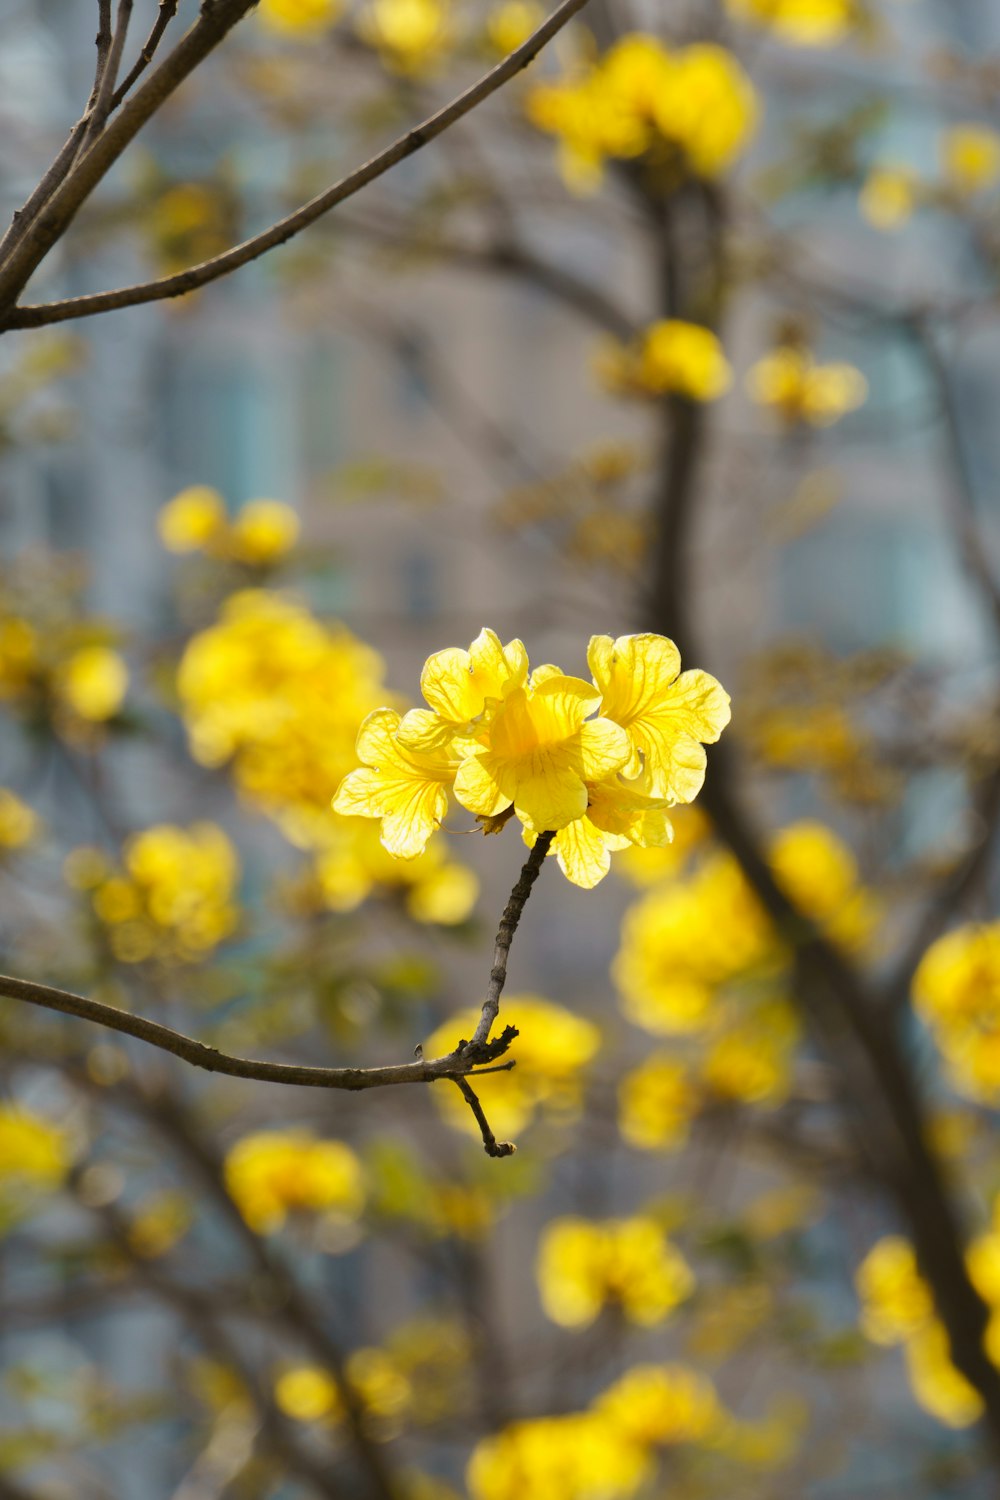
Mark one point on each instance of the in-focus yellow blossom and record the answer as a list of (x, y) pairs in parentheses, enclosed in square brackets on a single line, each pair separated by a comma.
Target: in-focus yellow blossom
[(584, 1266), (510, 23), (274, 1173), (802, 391), (670, 357), (895, 1300), (938, 1387), (956, 992), (689, 110), (34, 1153), (656, 1103), (19, 824), (406, 789), (352, 864), (92, 682), (410, 35), (656, 1405), (295, 17), (552, 1049), (192, 520), (461, 687), (970, 156), (888, 197), (263, 531), (751, 1062), (617, 818), (580, 1456), (668, 715), (800, 23)]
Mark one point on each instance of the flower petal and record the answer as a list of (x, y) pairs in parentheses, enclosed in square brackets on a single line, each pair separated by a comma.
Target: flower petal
[(448, 684), (416, 809), (477, 788), (583, 853), (549, 798), (360, 794), (425, 733), (604, 748)]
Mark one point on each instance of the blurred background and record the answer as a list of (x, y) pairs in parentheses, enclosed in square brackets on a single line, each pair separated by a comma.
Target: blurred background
[(690, 328)]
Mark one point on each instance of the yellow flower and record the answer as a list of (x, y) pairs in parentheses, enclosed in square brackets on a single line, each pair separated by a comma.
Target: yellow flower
[(896, 1302), (407, 789), (802, 391), (801, 23), (668, 715), (192, 520), (684, 359), (274, 1173), (938, 1387), (352, 863), (263, 531), (33, 1152), (299, 16), (307, 1393), (751, 1062), (510, 24), (821, 876), (971, 158), (710, 110), (956, 992), (542, 752), (656, 1104), (655, 1405), (92, 682), (580, 1456), (410, 35), (461, 686), (18, 823), (617, 817), (888, 197), (552, 1049), (583, 1266)]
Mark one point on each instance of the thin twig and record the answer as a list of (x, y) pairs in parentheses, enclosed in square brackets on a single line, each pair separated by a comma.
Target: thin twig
[(102, 41), (491, 1145), (102, 104), (38, 315), (166, 13), (200, 1055), (505, 936)]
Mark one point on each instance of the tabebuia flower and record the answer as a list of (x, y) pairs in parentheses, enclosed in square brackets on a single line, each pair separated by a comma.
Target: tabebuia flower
[(597, 764)]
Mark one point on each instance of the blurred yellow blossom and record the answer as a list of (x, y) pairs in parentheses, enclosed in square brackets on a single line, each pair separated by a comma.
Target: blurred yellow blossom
[(307, 1393), (192, 520), (820, 874), (19, 655), (970, 156), (34, 1153), (656, 1103), (888, 197), (584, 1266), (802, 391), (263, 531), (274, 1173), (410, 35), (938, 1387), (801, 23), (579, 1456), (895, 1300), (672, 357), (751, 1062), (92, 682), (159, 1223), (352, 863), (510, 23), (655, 1405), (173, 898), (552, 1049), (691, 110), (299, 16), (19, 824), (956, 992), (646, 867)]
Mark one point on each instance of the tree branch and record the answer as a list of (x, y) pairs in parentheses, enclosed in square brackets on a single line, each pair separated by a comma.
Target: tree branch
[(240, 255), (480, 1048), (491, 1145), (200, 1055), (102, 104), (166, 13)]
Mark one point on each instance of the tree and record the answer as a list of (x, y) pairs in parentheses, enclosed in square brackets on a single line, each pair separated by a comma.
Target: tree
[(821, 998)]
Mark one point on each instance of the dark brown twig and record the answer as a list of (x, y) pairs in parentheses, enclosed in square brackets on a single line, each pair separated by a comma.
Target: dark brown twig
[(491, 1145), (166, 13), (103, 102), (479, 1045)]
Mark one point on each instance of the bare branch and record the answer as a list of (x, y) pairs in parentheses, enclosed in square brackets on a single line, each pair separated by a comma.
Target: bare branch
[(491, 1145), (103, 43), (14, 276), (102, 104), (199, 1055), (166, 13), (480, 1047)]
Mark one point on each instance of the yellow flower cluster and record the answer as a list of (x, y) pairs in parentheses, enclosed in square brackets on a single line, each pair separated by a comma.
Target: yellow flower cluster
[(801, 23), (66, 672), (34, 1153), (671, 357), (509, 743), (897, 1308), (604, 1453), (553, 1048), (956, 991), (280, 695), (687, 110), (627, 1263), (410, 36), (804, 392), (274, 1173), (195, 520), (19, 824), (172, 898), (299, 17)]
